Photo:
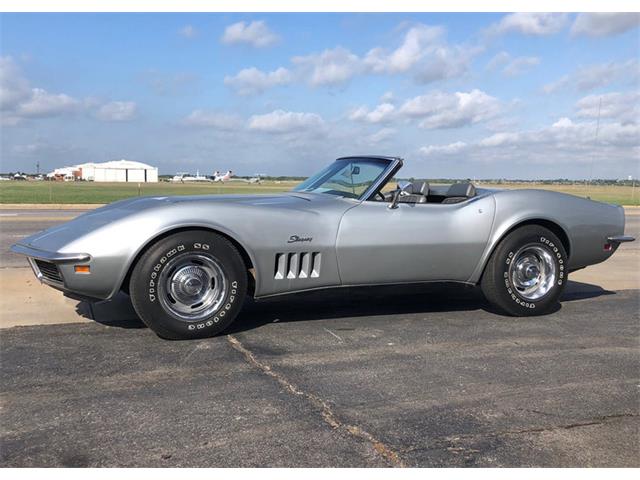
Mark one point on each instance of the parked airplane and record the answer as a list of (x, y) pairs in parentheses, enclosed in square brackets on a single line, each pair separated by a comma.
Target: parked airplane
[(254, 180), (218, 177), (186, 177)]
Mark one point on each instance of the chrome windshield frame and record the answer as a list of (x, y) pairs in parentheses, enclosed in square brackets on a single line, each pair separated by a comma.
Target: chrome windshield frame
[(394, 165)]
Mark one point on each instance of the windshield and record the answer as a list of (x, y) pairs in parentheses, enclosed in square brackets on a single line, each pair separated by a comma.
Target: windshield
[(349, 177)]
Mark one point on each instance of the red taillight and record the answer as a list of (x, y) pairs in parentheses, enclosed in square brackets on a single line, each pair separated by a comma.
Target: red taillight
[(608, 247)]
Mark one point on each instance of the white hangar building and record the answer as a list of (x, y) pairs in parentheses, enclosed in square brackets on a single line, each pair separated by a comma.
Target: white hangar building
[(118, 171)]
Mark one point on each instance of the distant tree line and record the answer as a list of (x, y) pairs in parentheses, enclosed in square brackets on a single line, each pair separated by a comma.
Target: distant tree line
[(495, 181)]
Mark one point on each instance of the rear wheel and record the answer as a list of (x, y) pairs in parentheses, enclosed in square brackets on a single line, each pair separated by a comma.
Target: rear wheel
[(526, 273), (189, 285)]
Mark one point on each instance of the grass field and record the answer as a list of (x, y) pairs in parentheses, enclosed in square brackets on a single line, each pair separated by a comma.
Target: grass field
[(89, 192)]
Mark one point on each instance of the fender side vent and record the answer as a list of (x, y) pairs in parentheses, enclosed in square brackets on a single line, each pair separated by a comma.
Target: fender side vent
[(297, 265)]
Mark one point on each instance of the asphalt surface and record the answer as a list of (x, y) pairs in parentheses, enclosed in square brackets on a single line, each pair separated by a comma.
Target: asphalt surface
[(392, 376), (17, 224)]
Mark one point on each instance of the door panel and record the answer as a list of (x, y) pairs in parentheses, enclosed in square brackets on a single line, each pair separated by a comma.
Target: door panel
[(413, 243)]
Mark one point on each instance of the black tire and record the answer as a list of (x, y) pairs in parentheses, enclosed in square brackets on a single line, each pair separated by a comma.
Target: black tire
[(512, 267), (190, 266)]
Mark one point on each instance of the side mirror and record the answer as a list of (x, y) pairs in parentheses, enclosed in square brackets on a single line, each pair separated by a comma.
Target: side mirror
[(404, 188)]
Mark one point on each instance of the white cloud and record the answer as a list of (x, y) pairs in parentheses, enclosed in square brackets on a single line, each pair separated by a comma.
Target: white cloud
[(44, 104), (596, 76), (623, 107), (449, 149), (280, 121), (540, 24), (116, 111), (381, 135), (14, 88), (604, 24), (214, 120), (566, 135), (498, 60), (252, 81), (520, 65), (449, 110), (382, 113), (188, 31), (497, 139), (551, 150), (417, 43), (19, 101), (330, 67), (256, 34), (444, 63), (388, 97), (423, 52)]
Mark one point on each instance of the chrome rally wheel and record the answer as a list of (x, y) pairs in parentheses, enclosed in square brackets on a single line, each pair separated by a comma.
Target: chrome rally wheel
[(533, 272), (192, 286), (526, 272)]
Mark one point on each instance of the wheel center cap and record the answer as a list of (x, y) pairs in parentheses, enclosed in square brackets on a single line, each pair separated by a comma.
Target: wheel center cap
[(189, 283), (532, 271), (192, 285)]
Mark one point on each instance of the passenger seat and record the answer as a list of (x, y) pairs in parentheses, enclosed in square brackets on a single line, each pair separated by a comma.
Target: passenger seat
[(459, 192)]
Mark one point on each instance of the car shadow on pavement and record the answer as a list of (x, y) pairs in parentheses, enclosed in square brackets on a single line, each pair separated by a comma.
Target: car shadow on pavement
[(117, 312), (583, 291), (337, 303)]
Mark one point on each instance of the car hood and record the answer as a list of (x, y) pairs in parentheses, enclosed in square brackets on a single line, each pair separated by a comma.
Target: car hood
[(129, 213)]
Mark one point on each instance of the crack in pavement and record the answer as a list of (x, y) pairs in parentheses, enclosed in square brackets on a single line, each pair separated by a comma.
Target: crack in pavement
[(329, 417)]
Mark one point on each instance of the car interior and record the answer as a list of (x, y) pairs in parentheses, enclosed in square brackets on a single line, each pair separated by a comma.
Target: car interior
[(421, 192)]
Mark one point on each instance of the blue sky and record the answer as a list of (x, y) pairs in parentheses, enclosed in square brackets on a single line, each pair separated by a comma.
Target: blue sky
[(457, 95)]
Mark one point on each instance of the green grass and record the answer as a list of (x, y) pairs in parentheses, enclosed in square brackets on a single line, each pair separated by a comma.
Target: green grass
[(89, 192), (616, 194)]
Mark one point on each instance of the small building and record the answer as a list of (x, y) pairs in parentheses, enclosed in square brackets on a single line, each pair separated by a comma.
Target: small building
[(67, 174), (118, 171)]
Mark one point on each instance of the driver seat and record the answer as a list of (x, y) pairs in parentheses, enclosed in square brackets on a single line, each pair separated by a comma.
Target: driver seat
[(419, 193)]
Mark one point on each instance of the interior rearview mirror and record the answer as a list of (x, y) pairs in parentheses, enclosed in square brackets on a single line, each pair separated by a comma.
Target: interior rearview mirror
[(355, 170)]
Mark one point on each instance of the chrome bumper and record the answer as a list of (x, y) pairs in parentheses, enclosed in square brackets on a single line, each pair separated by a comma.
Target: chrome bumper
[(620, 239), (53, 257), (45, 264)]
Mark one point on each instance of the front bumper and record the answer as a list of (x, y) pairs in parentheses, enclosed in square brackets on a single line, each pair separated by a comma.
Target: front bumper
[(53, 257), (46, 265)]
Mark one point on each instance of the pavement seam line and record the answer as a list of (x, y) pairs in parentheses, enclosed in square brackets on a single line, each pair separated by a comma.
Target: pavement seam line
[(388, 454)]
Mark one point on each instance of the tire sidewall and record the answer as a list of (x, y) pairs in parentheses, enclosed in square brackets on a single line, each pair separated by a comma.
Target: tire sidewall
[(506, 253), (145, 289)]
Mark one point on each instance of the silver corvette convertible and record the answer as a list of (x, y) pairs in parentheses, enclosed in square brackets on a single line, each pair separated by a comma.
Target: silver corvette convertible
[(188, 262)]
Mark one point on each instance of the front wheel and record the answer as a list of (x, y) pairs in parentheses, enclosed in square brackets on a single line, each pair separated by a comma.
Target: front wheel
[(189, 285), (526, 273)]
